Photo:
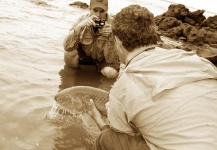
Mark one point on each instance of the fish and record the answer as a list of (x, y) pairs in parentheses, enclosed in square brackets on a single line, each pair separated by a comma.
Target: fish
[(76, 100)]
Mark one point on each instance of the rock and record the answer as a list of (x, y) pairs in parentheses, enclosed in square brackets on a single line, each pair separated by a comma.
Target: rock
[(174, 33), (210, 36), (208, 52), (192, 34), (79, 4), (178, 11), (210, 22), (40, 2), (193, 29), (197, 16), (165, 23)]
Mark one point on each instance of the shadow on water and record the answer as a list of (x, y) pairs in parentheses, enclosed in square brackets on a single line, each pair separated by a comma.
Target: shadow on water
[(71, 132)]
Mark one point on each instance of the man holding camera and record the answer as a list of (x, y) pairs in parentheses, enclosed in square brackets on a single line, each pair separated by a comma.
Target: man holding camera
[(90, 41)]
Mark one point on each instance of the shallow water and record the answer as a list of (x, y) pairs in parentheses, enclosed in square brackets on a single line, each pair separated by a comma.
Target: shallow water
[(32, 71)]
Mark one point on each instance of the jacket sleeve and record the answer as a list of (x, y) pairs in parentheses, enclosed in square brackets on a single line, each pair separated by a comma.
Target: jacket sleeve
[(72, 39), (129, 99), (118, 105), (110, 53)]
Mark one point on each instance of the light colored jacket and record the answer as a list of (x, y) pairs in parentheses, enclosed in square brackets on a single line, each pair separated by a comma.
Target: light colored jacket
[(170, 96), (93, 44)]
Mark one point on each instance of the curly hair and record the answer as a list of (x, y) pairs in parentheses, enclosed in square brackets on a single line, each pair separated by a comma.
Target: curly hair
[(134, 26)]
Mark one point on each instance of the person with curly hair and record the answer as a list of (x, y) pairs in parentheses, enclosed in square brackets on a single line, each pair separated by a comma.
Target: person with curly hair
[(91, 42), (163, 99)]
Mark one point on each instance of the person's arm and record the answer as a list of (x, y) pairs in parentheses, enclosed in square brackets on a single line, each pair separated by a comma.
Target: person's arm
[(71, 41), (110, 53), (110, 50), (97, 117)]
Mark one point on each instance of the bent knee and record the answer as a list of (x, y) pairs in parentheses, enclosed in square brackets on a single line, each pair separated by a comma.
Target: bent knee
[(109, 72)]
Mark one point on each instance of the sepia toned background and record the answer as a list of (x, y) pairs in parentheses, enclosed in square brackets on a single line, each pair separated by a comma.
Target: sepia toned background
[(32, 71)]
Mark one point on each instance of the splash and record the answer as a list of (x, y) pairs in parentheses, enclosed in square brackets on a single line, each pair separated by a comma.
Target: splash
[(56, 111), (72, 132), (59, 117), (84, 124)]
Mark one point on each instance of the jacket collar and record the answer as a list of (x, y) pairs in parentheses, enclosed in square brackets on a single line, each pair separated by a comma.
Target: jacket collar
[(136, 52)]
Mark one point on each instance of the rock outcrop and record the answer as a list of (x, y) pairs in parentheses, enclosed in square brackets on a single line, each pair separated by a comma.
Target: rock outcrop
[(193, 29), (79, 4)]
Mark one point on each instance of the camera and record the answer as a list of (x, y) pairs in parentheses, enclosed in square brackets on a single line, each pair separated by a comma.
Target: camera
[(100, 23)]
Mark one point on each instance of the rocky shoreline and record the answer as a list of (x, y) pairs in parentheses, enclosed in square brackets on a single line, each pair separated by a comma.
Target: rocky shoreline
[(189, 31)]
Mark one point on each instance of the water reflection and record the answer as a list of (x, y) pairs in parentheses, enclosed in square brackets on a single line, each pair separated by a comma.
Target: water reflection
[(85, 75)]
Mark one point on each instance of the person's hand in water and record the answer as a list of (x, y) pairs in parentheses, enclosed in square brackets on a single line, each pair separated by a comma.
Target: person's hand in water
[(95, 114)]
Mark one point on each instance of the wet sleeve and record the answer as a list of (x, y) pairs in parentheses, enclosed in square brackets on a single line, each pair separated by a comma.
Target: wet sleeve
[(72, 39)]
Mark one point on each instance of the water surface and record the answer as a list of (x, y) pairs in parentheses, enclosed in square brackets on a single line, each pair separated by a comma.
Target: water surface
[(32, 71)]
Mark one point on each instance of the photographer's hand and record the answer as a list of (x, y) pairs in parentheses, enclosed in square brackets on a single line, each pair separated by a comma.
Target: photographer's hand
[(106, 30), (86, 22)]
